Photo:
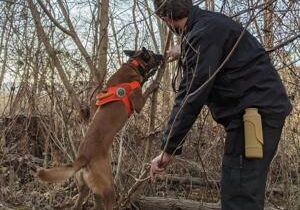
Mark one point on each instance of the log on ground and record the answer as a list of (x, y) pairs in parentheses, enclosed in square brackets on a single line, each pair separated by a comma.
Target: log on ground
[(150, 203)]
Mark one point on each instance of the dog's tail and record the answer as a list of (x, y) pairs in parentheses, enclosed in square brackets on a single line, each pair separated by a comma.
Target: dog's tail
[(60, 174)]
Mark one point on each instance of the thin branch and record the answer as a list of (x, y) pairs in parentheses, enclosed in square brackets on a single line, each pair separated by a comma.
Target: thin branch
[(51, 51), (56, 23), (281, 45)]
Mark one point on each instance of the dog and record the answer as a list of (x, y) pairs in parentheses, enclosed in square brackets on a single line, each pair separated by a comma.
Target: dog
[(122, 96)]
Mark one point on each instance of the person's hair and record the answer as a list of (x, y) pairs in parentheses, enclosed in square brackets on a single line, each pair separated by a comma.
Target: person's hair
[(173, 9)]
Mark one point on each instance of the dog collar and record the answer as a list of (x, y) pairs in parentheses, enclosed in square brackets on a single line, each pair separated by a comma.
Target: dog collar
[(119, 92), (137, 64)]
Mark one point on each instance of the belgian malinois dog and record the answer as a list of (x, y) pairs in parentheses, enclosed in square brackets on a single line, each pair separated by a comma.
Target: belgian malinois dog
[(122, 96)]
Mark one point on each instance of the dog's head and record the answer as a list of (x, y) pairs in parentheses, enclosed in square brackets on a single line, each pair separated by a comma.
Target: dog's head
[(145, 60)]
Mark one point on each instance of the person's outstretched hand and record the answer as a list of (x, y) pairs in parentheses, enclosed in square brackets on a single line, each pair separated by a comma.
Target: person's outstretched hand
[(159, 164), (174, 52)]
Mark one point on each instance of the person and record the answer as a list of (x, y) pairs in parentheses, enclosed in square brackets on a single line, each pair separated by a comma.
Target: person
[(244, 78)]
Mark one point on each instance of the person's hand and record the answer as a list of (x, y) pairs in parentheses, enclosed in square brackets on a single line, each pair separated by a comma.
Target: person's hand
[(174, 52), (159, 164)]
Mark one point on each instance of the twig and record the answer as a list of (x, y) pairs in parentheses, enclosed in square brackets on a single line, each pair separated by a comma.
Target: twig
[(142, 178), (288, 41)]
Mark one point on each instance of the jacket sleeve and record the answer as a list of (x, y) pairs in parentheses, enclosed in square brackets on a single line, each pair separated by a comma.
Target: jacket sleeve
[(203, 54)]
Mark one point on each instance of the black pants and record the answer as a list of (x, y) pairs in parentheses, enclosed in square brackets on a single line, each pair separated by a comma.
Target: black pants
[(244, 180)]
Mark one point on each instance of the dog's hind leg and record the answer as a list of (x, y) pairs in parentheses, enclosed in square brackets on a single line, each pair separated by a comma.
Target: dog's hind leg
[(98, 202), (83, 191), (99, 178), (106, 200)]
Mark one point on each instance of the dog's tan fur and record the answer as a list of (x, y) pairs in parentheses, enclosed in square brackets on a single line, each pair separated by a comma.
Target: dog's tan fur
[(94, 151)]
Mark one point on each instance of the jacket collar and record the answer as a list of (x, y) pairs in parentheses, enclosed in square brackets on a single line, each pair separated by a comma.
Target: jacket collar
[(193, 17)]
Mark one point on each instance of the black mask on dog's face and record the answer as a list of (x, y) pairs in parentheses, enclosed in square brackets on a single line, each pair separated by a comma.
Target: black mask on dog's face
[(149, 61)]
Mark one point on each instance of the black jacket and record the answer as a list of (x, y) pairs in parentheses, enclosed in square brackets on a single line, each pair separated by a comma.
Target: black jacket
[(248, 79)]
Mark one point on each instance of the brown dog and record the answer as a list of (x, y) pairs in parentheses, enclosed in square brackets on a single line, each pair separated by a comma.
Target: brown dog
[(116, 104)]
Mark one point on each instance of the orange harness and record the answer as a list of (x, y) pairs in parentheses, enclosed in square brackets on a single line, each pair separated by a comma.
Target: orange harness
[(119, 92)]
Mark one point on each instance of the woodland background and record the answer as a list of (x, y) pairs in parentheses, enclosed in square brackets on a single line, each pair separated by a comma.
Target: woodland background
[(55, 53)]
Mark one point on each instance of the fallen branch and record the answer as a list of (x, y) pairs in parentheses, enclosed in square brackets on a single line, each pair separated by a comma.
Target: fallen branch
[(189, 181), (149, 203), (201, 182)]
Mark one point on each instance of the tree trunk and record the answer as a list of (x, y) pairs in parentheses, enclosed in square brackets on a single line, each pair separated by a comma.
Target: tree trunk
[(8, 31), (103, 40), (210, 5), (268, 25)]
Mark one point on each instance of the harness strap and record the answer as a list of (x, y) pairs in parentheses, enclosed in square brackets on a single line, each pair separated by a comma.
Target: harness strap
[(120, 92)]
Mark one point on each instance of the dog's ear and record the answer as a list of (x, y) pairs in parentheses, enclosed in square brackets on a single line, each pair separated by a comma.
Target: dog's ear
[(129, 53), (145, 55), (137, 100)]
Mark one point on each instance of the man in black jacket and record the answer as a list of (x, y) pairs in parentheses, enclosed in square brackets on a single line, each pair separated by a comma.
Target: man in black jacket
[(246, 79)]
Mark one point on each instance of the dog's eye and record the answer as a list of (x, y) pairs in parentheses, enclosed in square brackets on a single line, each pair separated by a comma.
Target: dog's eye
[(146, 57)]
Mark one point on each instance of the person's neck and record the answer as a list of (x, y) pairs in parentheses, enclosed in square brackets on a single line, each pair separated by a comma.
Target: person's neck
[(182, 23)]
